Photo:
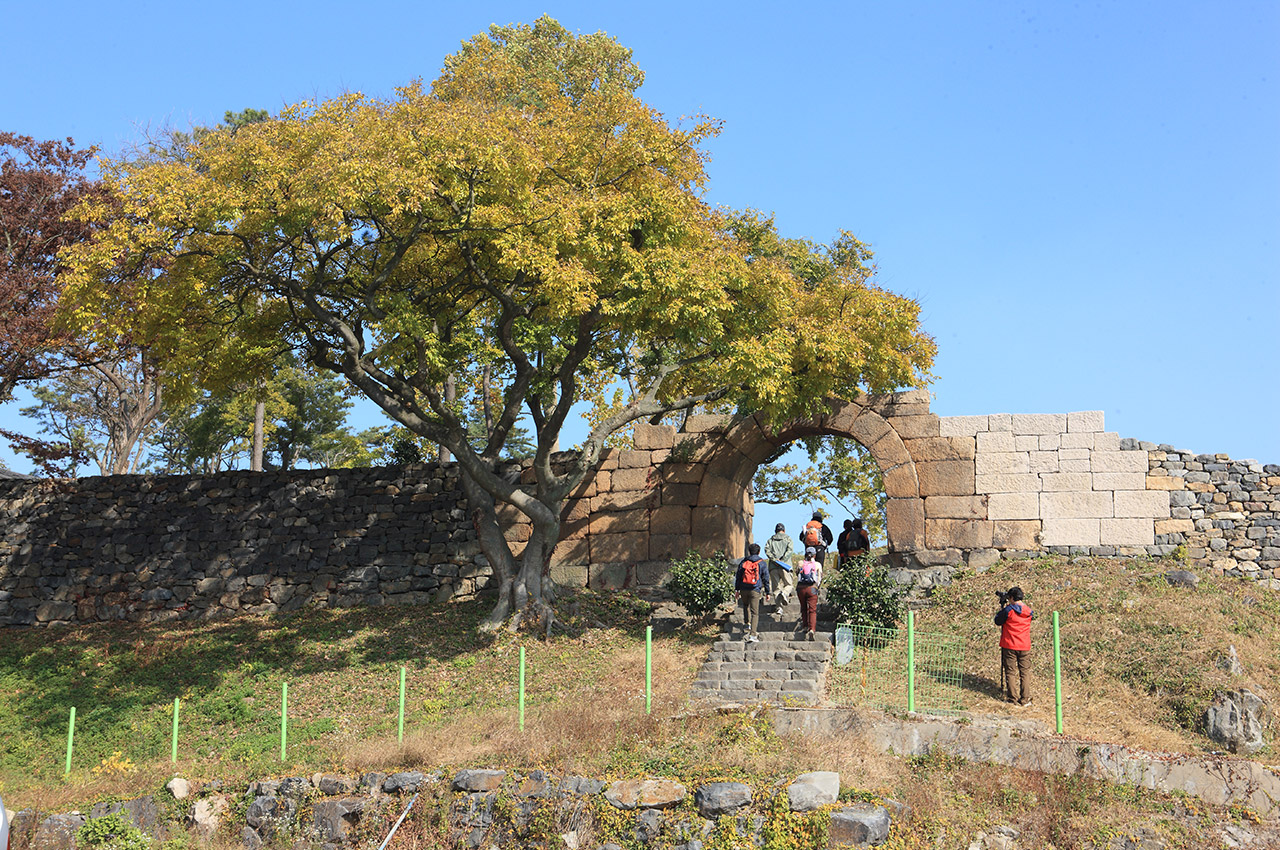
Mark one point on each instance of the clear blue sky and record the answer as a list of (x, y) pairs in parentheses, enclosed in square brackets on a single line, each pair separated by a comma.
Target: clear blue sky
[(1085, 198)]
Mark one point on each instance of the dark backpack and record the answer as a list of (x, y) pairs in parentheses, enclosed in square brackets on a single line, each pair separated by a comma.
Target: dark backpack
[(750, 572), (860, 541)]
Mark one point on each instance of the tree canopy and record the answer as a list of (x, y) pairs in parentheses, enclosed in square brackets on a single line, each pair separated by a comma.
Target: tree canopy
[(526, 217)]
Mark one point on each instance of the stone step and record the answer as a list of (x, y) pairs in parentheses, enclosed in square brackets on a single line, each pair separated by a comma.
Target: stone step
[(774, 670), (778, 637), (778, 686), (765, 650)]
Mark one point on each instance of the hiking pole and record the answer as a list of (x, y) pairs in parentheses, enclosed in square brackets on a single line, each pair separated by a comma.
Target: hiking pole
[(386, 840)]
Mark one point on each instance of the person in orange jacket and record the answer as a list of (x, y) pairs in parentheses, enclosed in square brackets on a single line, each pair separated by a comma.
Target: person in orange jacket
[(816, 534), (1014, 619)]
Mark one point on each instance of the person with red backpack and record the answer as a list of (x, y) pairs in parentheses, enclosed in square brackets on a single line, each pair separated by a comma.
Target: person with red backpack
[(816, 534), (751, 585), (1014, 619)]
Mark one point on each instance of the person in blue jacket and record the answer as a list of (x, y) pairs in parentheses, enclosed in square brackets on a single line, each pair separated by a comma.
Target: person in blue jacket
[(751, 585)]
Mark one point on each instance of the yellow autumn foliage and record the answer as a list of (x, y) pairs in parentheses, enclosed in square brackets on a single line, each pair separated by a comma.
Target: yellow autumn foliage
[(526, 212)]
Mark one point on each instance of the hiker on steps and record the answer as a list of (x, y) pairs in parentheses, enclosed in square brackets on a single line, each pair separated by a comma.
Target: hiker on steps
[(816, 534), (853, 541), (808, 577), (751, 585), (778, 550)]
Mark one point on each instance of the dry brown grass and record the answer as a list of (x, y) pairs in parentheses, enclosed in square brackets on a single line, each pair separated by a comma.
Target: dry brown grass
[(574, 733), (1137, 655), (1140, 658)]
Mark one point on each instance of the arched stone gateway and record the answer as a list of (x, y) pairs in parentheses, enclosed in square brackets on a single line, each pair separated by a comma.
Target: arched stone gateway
[(882, 424), (691, 488)]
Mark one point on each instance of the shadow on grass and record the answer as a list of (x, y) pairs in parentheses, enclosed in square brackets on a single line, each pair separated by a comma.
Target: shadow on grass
[(111, 672), (983, 686), (123, 677)]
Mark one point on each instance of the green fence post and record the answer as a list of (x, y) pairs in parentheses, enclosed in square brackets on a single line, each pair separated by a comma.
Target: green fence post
[(1057, 673), (522, 689), (911, 661), (173, 755), (284, 718), (71, 734), (648, 669), (402, 674)]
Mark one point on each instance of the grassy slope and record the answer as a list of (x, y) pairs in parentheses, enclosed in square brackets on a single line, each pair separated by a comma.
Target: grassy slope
[(1138, 657)]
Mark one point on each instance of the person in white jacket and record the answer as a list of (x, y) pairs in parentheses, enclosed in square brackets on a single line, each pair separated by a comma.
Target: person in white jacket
[(778, 550)]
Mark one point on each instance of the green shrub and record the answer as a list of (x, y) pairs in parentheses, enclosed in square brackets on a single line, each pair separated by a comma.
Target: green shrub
[(700, 583), (112, 832), (864, 594)]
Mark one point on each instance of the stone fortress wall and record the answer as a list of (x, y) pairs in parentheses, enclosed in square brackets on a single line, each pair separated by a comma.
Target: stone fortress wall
[(134, 547), (1062, 483), (962, 490)]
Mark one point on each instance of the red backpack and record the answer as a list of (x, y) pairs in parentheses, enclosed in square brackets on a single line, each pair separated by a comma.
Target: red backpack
[(813, 533), (750, 572)]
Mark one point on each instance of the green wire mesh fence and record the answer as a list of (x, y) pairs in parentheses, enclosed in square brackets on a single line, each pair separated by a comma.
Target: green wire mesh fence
[(870, 670)]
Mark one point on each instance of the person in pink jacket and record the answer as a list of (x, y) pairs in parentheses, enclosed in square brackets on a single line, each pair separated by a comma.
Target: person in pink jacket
[(808, 576)]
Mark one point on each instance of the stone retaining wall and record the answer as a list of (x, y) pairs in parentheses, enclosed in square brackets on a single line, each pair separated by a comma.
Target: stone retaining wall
[(1219, 780), (961, 490), (1225, 512), (1061, 477), (1062, 483), (152, 548), (479, 808)]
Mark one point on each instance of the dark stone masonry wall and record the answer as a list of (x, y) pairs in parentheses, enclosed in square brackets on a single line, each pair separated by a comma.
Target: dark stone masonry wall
[(182, 547), (1225, 512)]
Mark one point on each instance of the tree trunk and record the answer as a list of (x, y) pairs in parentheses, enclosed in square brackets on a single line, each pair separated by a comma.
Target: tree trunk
[(484, 518), (259, 415), (450, 393), (533, 591), (528, 590)]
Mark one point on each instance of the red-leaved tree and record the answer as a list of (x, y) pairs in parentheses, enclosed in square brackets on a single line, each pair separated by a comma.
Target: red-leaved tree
[(40, 181)]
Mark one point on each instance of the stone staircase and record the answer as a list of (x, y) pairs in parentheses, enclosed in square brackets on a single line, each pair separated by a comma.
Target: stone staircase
[(782, 667)]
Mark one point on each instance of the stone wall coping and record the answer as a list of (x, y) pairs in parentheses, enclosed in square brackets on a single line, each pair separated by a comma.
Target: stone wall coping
[(1028, 745)]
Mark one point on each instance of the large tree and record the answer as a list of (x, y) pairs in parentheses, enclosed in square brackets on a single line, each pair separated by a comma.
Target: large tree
[(40, 182), (526, 214)]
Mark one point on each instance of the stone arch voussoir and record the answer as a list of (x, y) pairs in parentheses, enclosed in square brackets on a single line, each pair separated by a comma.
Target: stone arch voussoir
[(731, 453)]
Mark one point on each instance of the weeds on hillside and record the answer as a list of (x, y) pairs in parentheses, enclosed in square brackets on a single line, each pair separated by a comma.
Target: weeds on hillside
[(1140, 658)]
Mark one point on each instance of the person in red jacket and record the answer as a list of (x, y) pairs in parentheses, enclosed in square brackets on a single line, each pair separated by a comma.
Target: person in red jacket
[(1014, 620)]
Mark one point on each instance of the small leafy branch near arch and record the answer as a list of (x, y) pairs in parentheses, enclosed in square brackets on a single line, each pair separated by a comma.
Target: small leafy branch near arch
[(840, 470)]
